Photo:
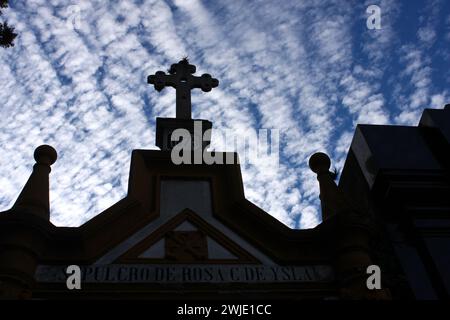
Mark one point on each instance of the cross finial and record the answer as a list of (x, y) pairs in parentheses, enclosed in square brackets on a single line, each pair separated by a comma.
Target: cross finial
[(180, 77)]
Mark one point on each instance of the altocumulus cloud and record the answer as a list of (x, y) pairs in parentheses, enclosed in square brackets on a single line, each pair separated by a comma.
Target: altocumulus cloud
[(76, 79)]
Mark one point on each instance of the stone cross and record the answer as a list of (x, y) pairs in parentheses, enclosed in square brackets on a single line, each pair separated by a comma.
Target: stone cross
[(180, 77)]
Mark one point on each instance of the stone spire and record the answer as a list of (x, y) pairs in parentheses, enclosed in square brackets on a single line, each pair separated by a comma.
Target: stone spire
[(353, 231), (34, 197), (331, 199)]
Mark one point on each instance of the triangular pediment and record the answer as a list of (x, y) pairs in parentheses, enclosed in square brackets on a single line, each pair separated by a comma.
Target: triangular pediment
[(187, 239)]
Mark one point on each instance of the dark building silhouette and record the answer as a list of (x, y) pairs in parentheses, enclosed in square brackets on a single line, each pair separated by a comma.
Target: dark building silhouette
[(399, 176), (187, 231)]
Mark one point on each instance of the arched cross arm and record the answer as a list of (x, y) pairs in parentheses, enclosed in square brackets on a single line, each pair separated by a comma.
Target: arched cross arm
[(205, 82), (160, 80)]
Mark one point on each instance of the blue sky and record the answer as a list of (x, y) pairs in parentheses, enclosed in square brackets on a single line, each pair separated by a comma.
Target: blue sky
[(76, 79)]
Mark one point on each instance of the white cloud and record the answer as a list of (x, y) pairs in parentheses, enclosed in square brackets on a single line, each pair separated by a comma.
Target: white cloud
[(282, 65)]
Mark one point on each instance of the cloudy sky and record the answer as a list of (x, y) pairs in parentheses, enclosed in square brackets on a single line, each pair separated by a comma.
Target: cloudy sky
[(76, 79)]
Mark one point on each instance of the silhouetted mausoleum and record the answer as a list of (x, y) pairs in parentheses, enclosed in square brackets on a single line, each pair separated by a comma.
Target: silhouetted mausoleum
[(188, 232)]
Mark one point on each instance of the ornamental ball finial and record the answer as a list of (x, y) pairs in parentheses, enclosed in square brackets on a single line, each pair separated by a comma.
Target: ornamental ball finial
[(319, 162), (45, 154)]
